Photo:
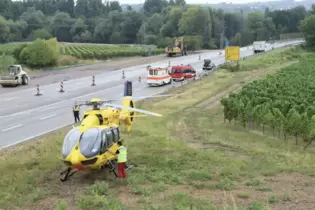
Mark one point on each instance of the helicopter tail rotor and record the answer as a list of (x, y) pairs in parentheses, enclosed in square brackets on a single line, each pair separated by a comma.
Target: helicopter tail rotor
[(127, 116)]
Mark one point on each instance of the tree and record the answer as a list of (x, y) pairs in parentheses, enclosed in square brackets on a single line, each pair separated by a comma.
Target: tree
[(4, 30), (154, 6), (308, 29), (41, 34)]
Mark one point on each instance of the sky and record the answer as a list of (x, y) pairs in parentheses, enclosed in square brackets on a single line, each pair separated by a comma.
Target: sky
[(198, 1)]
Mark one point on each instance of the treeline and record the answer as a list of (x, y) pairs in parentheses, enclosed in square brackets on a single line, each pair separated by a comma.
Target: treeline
[(158, 21)]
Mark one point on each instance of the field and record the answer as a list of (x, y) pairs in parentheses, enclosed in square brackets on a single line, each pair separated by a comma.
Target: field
[(188, 159), (94, 51), (283, 103)]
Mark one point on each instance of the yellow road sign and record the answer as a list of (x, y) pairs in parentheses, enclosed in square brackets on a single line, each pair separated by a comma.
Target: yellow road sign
[(232, 53)]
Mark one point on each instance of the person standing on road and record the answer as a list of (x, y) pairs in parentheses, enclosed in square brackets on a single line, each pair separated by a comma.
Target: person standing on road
[(76, 113)]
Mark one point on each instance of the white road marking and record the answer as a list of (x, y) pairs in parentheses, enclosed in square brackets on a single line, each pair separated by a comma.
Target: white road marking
[(36, 136), (8, 99), (47, 117), (17, 126)]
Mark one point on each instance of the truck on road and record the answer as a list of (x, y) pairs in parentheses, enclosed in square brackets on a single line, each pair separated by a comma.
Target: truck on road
[(16, 77), (259, 46)]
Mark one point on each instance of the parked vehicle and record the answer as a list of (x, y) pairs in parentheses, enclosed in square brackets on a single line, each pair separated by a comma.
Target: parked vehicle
[(158, 76), (182, 72)]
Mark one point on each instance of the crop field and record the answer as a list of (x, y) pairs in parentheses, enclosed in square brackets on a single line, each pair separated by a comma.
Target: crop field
[(106, 52), (188, 159), (94, 51), (283, 102)]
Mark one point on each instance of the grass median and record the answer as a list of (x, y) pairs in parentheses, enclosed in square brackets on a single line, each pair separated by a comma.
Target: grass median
[(187, 158)]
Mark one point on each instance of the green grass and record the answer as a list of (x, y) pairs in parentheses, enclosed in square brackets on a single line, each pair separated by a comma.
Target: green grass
[(187, 159)]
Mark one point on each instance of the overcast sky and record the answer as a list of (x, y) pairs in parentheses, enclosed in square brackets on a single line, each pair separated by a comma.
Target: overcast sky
[(197, 1)]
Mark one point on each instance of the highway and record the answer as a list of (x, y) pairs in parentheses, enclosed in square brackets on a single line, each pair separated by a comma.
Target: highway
[(24, 116)]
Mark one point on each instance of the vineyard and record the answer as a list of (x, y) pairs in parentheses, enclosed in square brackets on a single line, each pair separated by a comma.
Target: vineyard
[(106, 52), (98, 52), (283, 102)]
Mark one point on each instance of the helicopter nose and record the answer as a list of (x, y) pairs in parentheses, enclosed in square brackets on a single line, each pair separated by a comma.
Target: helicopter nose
[(75, 160)]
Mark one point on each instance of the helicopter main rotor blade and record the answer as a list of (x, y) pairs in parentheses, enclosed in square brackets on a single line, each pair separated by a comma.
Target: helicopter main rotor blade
[(133, 109), (157, 96)]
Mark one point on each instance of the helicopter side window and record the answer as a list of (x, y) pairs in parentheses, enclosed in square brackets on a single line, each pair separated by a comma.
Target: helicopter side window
[(104, 142), (151, 72), (155, 72), (116, 134), (110, 138), (91, 142), (70, 141)]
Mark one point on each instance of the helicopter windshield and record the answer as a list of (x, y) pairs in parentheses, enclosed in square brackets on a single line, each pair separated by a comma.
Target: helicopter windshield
[(91, 142), (70, 140)]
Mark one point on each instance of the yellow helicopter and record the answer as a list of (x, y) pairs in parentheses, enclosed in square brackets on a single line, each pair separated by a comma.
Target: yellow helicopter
[(92, 144)]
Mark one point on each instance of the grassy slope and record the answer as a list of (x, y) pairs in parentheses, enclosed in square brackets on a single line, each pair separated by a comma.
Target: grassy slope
[(187, 158)]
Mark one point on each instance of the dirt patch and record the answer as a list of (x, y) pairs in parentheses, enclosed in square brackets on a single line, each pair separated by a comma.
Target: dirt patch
[(126, 197)]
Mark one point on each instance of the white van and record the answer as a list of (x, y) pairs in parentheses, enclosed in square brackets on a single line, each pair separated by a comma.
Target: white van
[(158, 76)]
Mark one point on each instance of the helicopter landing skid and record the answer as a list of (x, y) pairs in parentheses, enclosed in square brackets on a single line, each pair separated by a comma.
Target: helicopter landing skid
[(112, 168), (68, 173)]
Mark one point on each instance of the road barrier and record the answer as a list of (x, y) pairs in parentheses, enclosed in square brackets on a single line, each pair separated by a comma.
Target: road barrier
[(93, 81), (61, 87), (38, 91)]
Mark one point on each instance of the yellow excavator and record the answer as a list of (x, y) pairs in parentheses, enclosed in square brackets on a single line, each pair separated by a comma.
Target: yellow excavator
[(177, 49)]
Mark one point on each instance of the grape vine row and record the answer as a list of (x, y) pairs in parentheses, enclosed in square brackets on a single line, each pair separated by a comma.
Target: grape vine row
[(284, 101), (98, 52), (105, 52)]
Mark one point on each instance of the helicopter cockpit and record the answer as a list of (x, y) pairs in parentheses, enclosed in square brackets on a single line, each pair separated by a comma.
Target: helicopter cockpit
[(93, 142)]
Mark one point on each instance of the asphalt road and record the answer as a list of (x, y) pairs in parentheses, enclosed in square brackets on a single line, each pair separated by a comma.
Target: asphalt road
[(24, 116)]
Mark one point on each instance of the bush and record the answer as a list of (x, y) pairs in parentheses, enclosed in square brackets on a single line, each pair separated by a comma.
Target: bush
[(40, 53), (17, 51), (66, 60)]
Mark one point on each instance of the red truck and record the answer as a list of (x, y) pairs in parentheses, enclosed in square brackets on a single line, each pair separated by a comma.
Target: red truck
[(182, 72)]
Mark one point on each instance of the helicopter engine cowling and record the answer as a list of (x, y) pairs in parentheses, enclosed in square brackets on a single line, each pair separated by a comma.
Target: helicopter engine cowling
[(90, 120), (126, 117)]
